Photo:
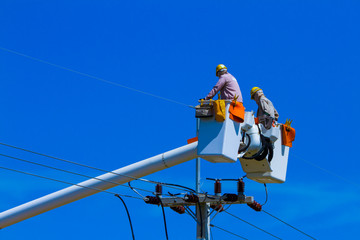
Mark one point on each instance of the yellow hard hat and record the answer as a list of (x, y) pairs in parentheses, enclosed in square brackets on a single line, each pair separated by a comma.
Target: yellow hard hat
[(220, 67), (253, 91)]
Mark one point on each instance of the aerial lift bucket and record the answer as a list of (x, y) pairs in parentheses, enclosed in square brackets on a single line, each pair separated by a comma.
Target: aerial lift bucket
[(220, 141), (269, 169)]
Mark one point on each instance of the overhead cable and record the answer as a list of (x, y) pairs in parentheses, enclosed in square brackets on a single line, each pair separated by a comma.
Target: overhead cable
[(73, 184), (174, 186), (266, 192), (127, 211), (93, 77), (288, 224), (212, 225), (132, 188), (219, 211), (163, 211), (82, 175), (252, 225), (327, 171), (191, 213), (70, 172)]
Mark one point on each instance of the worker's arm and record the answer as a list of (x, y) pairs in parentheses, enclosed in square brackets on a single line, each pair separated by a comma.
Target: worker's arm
[(219, 85), (266, 108)]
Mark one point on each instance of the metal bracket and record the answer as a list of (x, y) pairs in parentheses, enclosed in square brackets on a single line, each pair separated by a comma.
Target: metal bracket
[(204, 198)]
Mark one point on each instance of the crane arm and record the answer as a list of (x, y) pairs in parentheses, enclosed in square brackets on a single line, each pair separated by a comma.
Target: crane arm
[(121, 176)]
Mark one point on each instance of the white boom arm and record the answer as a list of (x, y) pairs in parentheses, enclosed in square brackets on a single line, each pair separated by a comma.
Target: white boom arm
[(74, 193)]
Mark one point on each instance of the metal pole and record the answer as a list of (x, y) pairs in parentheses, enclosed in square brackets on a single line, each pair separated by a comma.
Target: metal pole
[(202, 209), (205, 221), (74, 193), (197, 176)]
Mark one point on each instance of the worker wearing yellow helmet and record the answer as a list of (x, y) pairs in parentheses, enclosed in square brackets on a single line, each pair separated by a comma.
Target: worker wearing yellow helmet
[(227, 85), (266, 112)]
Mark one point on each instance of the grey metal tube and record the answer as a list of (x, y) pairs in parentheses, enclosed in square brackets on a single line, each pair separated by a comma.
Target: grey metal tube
[(74, 193)]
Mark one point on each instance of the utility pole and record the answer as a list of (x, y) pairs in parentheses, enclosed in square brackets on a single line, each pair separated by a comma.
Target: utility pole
[(202, 209), (205, 201)]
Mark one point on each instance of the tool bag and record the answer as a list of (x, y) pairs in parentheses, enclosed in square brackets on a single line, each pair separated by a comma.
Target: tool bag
[(204, 111), (220, 109), (237, 112)]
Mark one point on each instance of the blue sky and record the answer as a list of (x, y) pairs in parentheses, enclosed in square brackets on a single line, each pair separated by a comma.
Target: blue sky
[(304, 54)]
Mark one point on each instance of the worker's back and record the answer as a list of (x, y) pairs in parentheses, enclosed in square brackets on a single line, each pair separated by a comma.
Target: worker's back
[(266, 107), (231, 88), (228, 87)]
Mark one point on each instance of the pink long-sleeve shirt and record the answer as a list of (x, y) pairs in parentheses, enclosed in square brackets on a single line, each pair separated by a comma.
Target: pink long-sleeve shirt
[(228, 87)]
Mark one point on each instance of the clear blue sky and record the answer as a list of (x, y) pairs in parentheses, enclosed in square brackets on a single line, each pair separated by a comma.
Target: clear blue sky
[(304, 54)]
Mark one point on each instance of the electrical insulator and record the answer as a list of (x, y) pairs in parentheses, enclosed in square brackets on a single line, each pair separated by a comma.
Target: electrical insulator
[(217, 207), (230, 197), (217, 187), (241, 187), (158, 189), (152, 200), (191, 198), (255, 205), (178, 209)]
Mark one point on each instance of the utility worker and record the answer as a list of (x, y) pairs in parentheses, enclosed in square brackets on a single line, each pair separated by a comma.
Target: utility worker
[(266, 112), (227, 85)]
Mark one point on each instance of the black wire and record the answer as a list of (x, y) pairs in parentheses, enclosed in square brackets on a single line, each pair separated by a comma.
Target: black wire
[(70, 172), (288, 224), (127, 211), (134, 190), (252, 225), (228, 232), (60, 181), (163, 211), (266, 195), (178, 185), (95, 168), (93, 77)]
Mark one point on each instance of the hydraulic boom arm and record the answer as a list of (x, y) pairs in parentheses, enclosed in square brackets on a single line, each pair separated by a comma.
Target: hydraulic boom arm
[(74, 193)]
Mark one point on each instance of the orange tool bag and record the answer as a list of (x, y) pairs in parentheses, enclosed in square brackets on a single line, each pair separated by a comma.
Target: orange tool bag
[(287, 135), (237, 111)]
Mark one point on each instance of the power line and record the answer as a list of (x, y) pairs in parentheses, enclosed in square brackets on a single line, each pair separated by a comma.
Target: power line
[(327, 171), (212, 225), (288, 224), (132, 188), (252, 225), (70, 172), (93, 77), (266, 192), (163, 212), (56, 180), (79, 174), (128, 214), (174, 186)]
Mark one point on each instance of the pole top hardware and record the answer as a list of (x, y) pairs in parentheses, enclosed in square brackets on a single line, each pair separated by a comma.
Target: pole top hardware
[(225, 179)]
